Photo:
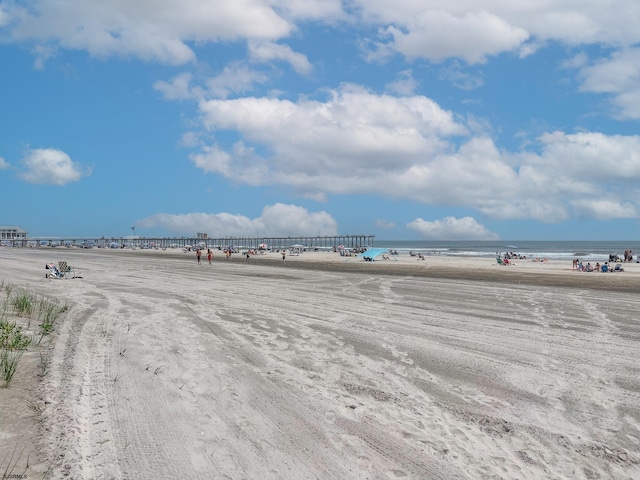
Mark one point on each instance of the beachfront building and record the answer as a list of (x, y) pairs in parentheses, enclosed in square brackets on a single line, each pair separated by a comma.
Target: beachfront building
[(12, 233)]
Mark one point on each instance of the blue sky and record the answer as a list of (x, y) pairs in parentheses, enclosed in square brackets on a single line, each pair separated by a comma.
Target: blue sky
[(411, 119)]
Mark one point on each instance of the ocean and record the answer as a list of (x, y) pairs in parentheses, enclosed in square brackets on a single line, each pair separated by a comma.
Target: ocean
[(553, 250)]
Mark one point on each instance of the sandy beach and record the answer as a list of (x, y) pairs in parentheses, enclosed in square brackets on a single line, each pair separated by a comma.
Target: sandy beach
[(325, 367)]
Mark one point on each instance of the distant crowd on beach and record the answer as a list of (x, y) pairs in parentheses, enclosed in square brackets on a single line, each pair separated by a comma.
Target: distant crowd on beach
[(605, 267), (613, 265)]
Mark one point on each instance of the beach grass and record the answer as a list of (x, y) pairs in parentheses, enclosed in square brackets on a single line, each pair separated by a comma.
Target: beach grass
[(17, 311)]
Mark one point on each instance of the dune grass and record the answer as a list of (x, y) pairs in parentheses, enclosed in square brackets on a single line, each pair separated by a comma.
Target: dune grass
[(17, 311)]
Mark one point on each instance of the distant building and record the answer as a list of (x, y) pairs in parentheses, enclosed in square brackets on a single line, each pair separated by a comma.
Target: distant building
[(12, 233)]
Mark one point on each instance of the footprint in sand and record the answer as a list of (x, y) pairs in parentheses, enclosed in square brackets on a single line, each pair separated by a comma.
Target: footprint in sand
[(243, 422), (330, 417), (364, 463), (396, 473)]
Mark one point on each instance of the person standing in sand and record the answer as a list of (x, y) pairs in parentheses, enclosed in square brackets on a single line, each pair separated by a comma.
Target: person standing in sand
[(209, 255), (284, 255), (198, 255)]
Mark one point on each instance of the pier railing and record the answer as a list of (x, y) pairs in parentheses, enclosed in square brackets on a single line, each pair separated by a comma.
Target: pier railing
[(309, 243)]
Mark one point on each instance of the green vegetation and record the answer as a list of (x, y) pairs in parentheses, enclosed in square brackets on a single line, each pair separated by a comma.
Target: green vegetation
[(12, 337), (23, 303), (16, 338)]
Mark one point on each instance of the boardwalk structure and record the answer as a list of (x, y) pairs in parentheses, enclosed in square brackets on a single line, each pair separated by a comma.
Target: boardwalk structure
[(332, 242), (12, 232)]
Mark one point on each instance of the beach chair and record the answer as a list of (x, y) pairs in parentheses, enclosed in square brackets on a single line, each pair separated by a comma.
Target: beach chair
[(66, 270), (499, 260), (53, 271)]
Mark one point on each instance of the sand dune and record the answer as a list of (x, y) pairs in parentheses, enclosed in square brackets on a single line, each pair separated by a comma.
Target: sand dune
[(321, 368)]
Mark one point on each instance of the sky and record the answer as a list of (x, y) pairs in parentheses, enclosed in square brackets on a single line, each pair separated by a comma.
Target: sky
[(404, 119)]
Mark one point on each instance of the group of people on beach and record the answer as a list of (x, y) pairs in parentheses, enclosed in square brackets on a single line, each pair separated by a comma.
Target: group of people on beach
[(605, 267), (227, 252), (209, 256), (513, 256)]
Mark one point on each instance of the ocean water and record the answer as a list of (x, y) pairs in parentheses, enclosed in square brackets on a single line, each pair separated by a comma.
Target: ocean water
[(553, 250)]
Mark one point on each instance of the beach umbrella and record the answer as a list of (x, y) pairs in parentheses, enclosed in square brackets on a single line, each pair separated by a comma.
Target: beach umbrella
[(340, 246)]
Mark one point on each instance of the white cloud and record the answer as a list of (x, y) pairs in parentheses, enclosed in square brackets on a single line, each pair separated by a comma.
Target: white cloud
[(592, 156), (451, 228), (579, 60), (179, 88), (51, 167), (455, 74), (326, 10), (276, 220), (404, 85), (4, 164), (42, 54), (408, 148), (157, 30), (353, 128), (619, 76), (235, 78), (269, 51), (213, 159), (4, 16), (164, 30), (472, 36), (604, 209), (463, 29)]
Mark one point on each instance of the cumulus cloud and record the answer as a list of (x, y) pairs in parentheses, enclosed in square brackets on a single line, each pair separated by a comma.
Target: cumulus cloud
[(604, 209), (456, 75), (163, 30), (443, 29), (404, 85), (235, 78), (325, 10), (158, 30), (358, 142), (451, 228), (179, 88), (438, 34), (353, 130), (619, 76), (269, 51), (278, 220), (50, 166)]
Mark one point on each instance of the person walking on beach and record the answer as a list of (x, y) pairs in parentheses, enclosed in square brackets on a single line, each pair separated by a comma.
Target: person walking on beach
[(198, 255), (209, 255), (284, 255)]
